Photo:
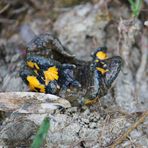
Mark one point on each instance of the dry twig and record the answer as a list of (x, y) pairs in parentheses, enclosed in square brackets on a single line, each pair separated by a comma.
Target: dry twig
[(4, 8), (135, 125)]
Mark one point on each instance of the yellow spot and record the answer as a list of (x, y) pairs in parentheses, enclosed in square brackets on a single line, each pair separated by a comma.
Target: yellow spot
[(103, 71), (101, 55), (36, 66), (97, 61), (34, 83), (51, 74), (90, 101), (32, 65)]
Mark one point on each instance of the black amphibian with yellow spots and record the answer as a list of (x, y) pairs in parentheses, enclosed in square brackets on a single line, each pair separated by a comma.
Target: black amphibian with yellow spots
[(51, 68)]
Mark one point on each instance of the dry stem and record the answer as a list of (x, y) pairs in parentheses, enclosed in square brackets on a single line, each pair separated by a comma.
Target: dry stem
[(135, 125)]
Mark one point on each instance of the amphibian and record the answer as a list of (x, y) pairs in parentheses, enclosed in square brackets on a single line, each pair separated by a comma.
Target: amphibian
[(52, 68)]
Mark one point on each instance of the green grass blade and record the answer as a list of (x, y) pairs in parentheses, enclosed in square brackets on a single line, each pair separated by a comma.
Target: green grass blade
[(136, 6), (41, 134), (131, 2)]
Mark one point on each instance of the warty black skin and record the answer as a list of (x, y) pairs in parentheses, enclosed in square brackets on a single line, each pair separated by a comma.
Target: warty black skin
[(65, 73), (83, 80)]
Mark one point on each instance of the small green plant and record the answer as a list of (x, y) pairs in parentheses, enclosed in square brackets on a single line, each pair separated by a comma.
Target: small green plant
[(41, 134), (136, 6)]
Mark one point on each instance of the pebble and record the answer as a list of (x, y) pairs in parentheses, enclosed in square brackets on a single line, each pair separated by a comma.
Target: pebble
[(15, 58), (92, 125), (72, 109), (85, 120), (86, 113), (146, 23)]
